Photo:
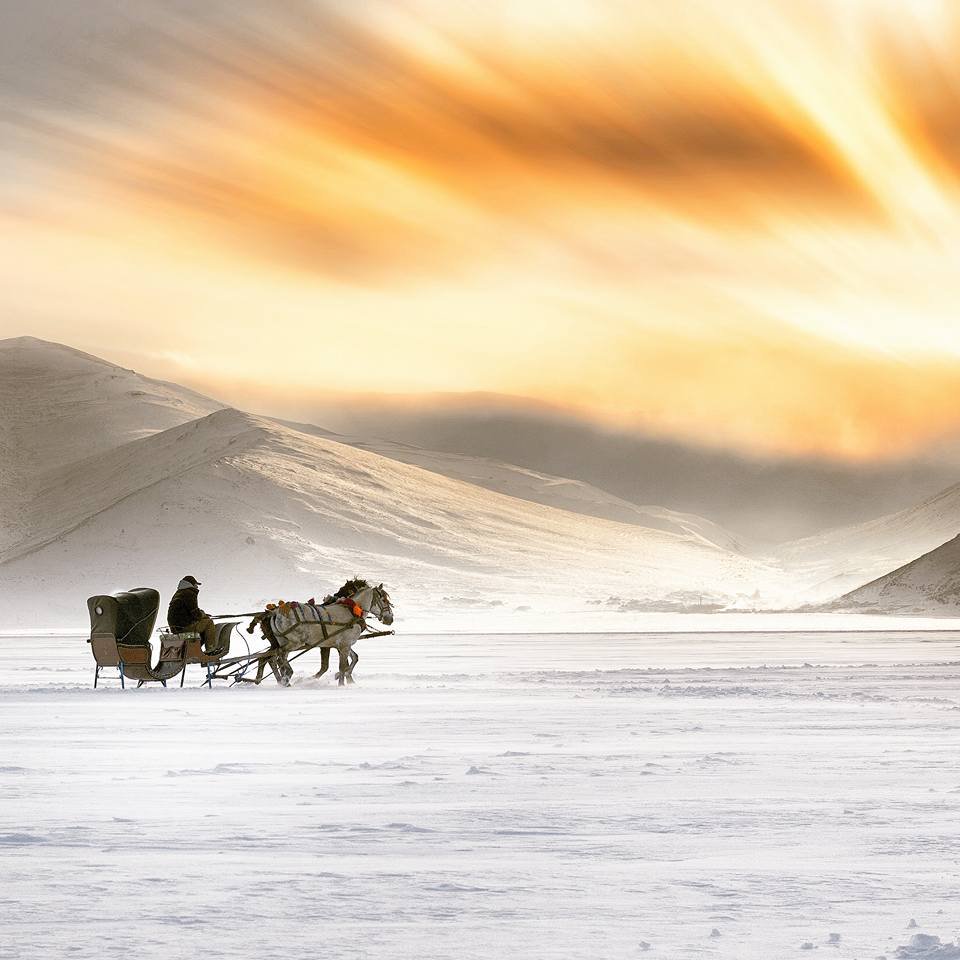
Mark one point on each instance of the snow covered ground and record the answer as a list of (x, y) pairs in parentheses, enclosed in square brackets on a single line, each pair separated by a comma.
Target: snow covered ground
[(739, 796)]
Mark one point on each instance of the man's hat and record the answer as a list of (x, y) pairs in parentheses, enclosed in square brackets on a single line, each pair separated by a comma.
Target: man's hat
[(187, 582)]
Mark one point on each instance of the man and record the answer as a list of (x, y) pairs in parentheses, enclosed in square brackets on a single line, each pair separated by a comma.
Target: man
[(184, 615)]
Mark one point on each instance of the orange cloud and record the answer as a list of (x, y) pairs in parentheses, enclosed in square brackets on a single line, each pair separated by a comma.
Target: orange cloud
[(353, 149), (739, 386)]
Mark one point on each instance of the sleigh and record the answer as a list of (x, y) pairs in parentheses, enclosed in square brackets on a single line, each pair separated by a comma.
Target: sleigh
[(121, 625)]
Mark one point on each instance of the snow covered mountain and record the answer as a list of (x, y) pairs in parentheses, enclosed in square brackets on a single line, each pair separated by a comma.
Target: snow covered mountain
[(929, 584), (261, 509), (837, 561), (59, 405)]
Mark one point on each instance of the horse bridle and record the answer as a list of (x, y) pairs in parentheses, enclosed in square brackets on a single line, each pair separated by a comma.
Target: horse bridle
[(383, 599)]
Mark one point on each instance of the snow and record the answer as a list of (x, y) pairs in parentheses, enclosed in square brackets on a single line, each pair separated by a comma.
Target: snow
[(738, 796), (724, 785)]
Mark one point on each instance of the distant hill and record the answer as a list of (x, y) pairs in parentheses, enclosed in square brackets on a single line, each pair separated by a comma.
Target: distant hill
[(929, 585)]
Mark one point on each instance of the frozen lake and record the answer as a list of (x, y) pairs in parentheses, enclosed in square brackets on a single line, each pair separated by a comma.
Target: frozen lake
[(675, 795)]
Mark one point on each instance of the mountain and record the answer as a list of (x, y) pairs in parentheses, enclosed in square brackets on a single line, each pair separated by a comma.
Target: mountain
[(58, 405), (119, 479), (833, 563), (929, 584)]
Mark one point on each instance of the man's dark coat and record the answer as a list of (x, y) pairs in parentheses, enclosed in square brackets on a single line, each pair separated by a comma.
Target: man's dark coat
[(183, 610)]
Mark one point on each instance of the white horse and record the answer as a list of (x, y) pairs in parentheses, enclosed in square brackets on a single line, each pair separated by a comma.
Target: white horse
[(341, 619)]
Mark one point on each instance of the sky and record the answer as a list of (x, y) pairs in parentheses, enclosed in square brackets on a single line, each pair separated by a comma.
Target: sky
[(732, 224)]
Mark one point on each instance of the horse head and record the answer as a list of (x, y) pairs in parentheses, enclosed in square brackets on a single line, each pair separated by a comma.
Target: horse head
[(380, 605), (371, 599)]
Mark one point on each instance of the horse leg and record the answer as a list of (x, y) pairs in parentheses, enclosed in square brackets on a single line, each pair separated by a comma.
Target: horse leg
[(324, 661), (344, 654), (354, 657), (281, 669), (261, 666)]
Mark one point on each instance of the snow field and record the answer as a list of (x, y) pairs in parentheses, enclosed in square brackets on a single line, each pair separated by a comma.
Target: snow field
[(478, 796)]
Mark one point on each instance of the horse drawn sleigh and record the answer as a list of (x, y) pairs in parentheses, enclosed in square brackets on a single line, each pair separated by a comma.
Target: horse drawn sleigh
[(121, 626)]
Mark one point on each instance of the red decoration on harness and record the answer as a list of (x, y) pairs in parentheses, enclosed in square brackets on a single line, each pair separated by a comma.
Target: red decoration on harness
[(352, 606)]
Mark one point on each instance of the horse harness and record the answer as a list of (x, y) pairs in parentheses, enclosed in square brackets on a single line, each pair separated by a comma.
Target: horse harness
[(263, 620)]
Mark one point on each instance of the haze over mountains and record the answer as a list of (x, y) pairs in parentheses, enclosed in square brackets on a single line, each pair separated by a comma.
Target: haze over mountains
[(110, 478), (762, 501), (573, 495)]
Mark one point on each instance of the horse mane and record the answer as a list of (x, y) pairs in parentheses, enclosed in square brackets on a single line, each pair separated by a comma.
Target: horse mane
[(351, 588)]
